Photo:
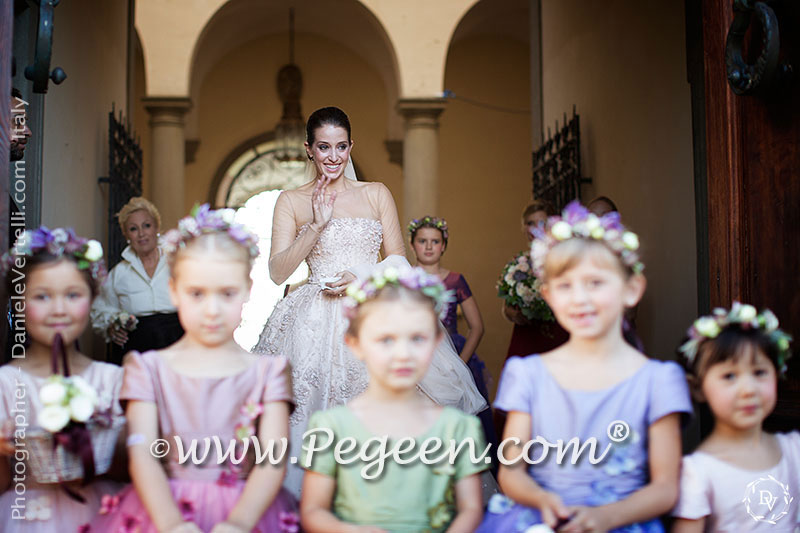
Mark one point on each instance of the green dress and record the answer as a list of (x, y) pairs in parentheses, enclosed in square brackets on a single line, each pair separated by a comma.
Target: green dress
[(409, 497)]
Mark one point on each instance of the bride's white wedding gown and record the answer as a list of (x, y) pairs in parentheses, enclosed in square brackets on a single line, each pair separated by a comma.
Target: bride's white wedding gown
[(308, 326)]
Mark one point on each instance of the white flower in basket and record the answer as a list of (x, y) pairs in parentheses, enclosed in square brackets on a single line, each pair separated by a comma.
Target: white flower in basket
[(70, 403)]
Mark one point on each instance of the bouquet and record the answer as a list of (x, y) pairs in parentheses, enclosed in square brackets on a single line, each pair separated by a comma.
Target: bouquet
[(125, 321), (519, 288)]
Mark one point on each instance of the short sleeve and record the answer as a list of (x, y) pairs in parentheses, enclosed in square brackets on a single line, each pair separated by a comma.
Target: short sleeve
[(694, 500), (277, 382), (137, 381), (469, 431), (514, 392), (669, 393), (462, 289), (321, 427)]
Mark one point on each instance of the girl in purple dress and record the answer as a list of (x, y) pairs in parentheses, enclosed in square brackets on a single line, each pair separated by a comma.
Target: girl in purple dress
[(205, 387), (595, 389), (429, 241)]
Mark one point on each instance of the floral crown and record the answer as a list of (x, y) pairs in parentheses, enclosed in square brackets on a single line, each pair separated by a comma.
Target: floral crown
[(578, 222), (88, 253), (203, 220), (412, 278), (742, 316), (428, 222)]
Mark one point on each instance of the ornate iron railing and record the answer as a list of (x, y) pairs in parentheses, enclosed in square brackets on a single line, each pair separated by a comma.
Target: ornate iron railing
[(124, 179), (557, 165)]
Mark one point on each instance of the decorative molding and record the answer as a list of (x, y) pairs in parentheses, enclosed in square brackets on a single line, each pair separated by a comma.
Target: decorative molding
[(394, 147), (191, 146)]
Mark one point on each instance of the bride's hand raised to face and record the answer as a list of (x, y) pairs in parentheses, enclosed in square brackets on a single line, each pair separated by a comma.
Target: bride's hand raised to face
[(322, 204)]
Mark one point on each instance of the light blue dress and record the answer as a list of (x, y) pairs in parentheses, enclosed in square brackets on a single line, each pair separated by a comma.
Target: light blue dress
[(654, 391)]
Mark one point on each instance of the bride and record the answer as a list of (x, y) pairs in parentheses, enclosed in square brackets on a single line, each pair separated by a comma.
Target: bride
[(338, 226)]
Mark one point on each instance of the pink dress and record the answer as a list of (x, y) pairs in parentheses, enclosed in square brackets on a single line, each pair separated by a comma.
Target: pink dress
[(30, 507), (195, 408), (734, 500)]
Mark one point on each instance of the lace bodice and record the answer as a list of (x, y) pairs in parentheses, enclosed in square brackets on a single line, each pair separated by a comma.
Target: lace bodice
[(344, 243)]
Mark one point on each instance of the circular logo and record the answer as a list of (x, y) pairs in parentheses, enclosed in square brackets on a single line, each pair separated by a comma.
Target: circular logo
[(618, 431), (767, 499)]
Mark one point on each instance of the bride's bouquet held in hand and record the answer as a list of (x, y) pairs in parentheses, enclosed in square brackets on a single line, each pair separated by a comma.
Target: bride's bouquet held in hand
[(520, 288)]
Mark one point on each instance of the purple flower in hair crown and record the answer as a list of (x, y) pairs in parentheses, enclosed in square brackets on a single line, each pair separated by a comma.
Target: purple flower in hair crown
[(203, 220), (428, 222), (742, 316), (577, 222), (88, 253), (412, 278)]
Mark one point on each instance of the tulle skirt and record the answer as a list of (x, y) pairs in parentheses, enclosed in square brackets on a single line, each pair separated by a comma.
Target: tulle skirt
[(206, 503), (49, 509)]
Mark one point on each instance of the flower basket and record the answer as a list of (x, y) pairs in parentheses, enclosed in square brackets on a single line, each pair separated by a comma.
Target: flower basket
[(519, 287), (54, 464), (77, 437)]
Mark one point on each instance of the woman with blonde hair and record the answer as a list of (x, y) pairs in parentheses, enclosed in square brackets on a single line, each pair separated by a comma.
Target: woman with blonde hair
[(133, 310)]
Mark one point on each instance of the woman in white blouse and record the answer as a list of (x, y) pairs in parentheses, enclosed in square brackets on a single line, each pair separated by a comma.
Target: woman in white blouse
[(137, 285)]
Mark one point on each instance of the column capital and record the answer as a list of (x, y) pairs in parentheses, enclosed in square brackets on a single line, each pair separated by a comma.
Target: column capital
[(414, 109), (166, 109)]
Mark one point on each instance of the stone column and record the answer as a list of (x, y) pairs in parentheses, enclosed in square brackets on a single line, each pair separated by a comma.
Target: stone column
[(420, 156), (167, 156)]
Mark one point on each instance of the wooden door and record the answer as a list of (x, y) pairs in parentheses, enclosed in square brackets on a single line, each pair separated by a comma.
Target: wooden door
[(752, 165)]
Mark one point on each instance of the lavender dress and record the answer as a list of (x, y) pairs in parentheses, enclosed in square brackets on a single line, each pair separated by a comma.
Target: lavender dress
[(456, 282), (654, 391)]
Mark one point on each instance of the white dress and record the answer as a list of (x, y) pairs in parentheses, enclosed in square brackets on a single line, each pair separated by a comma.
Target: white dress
[(308, 326), (734, 500)]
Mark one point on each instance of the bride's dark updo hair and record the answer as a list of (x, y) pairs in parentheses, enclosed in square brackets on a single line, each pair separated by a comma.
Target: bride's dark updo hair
[(326, 116)]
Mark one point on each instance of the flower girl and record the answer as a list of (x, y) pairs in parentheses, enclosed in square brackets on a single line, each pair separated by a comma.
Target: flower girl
[(394, 329), (741, 478), (205, 387), (51, 392)]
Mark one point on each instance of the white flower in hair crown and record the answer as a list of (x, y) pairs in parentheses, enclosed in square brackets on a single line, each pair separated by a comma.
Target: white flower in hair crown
[(743, 316), (578, 222), (88, 253), (412, 278), (203, 220)]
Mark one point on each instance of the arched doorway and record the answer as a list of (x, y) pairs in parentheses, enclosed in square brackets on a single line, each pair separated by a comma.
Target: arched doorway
[(250, 181)]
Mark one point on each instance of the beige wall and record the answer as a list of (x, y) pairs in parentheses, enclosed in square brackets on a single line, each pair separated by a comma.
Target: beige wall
[(141, 118), (485, 173), (623, 63), (237, 101), (94, 56)]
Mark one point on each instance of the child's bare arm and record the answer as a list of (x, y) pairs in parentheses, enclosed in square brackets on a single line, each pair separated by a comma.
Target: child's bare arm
[(265, 480), (470, 505), (683, 525), (315, 507), (514, 479), (148, 475)]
